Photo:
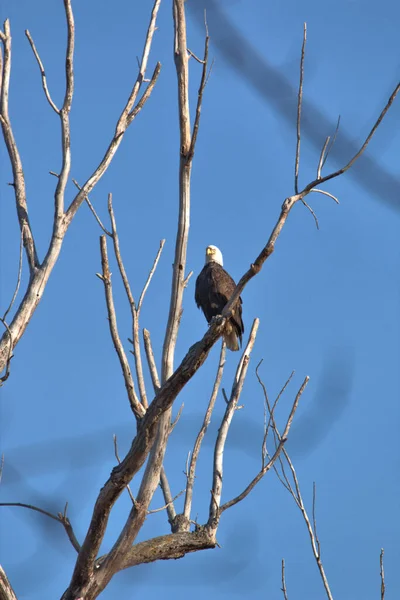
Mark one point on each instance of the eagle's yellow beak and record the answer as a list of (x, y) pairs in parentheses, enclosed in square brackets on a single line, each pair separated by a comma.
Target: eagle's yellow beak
[(209, 251)]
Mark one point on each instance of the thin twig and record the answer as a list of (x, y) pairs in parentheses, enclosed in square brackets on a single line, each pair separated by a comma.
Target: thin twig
[(136, 406), (14, 156), (312, 212), (149, 278), (195, 57), (21, 246), (314, 501), (284, 581), (203, 83), (200, 436), (351, 162), (326, 194), (279, 449), (119, 462), (42, 72), (134, 311), (322, 157), (299, 106), (216, 492), (150, 360), (93, 210), (332, 142), (382, 573), (61, 518), (155, 510)]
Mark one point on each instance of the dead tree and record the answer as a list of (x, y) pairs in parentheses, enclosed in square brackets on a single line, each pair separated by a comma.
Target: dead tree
[(150, 408)]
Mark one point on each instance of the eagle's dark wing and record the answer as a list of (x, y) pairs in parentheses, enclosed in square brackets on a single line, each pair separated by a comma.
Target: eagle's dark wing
[(214, 287)]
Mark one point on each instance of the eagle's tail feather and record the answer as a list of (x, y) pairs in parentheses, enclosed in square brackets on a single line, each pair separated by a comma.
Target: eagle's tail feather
[(231, 340)]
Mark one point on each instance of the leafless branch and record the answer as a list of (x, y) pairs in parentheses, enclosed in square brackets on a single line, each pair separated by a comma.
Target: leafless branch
[(314, 501), (126, 118), (278, 450), (128, 487), (299, 106), (185, 283), (93, 211), (178, 416), (150, 360), (42, 73), (136, 406), (215, 510), (61, 518), (288, 205), (6, 590), (284, 581), (351, 162), (171, 546), (132, 305), (312, 212), (191, 471), (322, 157), (58, 228), (169, 500), (332, 141), (14, 156), (9, 357), (185, 167), (155, 510), (21, 245), (203, 83), (149, 278), (326, 194), (382, 573)]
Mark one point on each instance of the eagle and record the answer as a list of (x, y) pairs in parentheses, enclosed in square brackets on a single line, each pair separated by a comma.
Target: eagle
[(214, 287)]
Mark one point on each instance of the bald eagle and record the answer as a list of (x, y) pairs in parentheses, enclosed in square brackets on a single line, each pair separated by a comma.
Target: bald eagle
[(214, 287)]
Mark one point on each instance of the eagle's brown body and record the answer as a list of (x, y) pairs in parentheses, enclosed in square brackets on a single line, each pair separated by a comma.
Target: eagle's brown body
[(214, 287)]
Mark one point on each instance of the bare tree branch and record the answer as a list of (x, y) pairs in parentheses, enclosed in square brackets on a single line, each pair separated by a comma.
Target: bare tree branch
[(200, 436), (155, 510), (42, 73), (382, 574), (132, 304), (58, 226), (14, 156), (41, 273), (126, 118), (203, 83), (21, 245), (93, 211), (128, 487), (150, 360), (149, 278), (9, 356), (237, 387), (299, 106), (136, 406), (6, 591), (185, 167), (287, 207), (61, 518), (278, 450), (284, 591), (171, 546)]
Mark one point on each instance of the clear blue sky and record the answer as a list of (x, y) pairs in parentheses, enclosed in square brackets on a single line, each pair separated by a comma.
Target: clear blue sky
[(328, 301)]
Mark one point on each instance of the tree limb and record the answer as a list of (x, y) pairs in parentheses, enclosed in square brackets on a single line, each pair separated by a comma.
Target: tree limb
[(14, 156), (237, 387)]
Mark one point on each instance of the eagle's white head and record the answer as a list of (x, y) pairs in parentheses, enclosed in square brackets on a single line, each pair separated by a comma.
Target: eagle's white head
[(214, 254)]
